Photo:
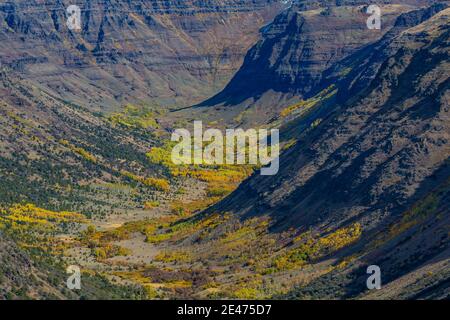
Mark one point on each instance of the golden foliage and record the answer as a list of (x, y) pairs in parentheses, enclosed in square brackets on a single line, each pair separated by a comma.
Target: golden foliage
[(184, 209), (157, 184), (311, 248), (178, 229), (246, 294), (83, 153), (28, 215), (148, 205), (154, 183), (305, 105), (109, 251), (35, 227), (135, 117), (173, 257)]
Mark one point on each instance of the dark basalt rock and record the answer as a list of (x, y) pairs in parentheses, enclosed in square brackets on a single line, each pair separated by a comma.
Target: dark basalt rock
[(175, 52), (301, 43), (379, 157)]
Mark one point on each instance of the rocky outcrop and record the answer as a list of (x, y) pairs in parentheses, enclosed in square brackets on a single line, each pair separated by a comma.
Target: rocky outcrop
[(378, 157), (362, 66), (359, 142), (167, 52), (301, 43)]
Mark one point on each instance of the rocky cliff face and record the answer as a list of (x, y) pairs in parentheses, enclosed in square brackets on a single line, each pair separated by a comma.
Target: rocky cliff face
[(295, 50), (380, 158), (171, 52), (362, 66), (402, 89), (375, 154)]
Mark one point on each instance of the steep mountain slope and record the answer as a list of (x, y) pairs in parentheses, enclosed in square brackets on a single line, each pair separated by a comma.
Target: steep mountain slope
[(22, 277), (168, 52), (57, 153), (379, 159), (15, 280), (286, 65), (422, 86), (413, 254), (49, 146), (365, 180), (362, 66)]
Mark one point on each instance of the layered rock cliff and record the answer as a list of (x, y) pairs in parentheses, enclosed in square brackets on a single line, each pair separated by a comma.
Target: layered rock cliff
[(168, 52), (379, 156), (288, 62)]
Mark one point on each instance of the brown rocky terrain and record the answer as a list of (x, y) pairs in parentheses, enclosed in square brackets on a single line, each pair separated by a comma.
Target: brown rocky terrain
[(287, 63), (380, 158), (364, 172), (22, 277), (158, 52)]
